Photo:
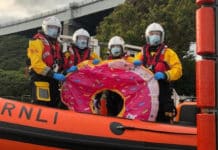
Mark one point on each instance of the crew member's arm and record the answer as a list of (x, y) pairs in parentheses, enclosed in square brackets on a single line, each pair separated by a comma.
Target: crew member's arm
[(172, 59), (139, 56), (138, 59), (129, 59), (34, 53), (94, 56)]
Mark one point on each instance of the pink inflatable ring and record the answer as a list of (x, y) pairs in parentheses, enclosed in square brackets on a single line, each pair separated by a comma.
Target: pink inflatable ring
[(136, 85)]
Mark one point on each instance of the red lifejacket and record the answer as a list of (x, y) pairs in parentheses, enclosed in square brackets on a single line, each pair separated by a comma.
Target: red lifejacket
[(51, 54), (75, 57), (156, 62)]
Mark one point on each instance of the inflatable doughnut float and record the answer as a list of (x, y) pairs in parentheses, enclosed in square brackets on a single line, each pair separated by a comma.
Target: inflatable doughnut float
[(135, 85)]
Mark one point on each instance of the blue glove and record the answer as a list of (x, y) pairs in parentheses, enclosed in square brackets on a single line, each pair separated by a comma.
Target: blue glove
[(72, 69), (137, 62), (159, 76), (59, 76), (95, 61)]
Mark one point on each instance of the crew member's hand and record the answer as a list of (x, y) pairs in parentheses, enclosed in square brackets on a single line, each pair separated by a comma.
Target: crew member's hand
[(59, 76), (137, 62), (160, 76), (72, 69), (95, 61)]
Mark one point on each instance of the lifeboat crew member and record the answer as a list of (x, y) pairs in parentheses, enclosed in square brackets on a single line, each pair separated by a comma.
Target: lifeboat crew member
[(166, 66), (79, 50), (46, 63), (116, 47)]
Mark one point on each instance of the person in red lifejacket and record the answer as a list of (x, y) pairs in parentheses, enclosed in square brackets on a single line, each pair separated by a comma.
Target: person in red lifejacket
[(166, 66), (46, 63), (79, 50)]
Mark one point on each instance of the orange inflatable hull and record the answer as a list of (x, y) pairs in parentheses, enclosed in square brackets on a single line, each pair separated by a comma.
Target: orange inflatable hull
[(28, 126)]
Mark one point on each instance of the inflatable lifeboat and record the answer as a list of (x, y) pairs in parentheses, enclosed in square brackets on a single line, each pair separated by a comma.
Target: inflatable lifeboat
[(29, 126)]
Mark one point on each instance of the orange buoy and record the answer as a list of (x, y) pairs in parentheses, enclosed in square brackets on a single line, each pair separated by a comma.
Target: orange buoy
[(205, 83), (206, 132), (205, 32), (200, 2)]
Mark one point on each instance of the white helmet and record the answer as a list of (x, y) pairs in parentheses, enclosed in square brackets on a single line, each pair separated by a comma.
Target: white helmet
[(51, 21), (116, 40), (154, 27), (80, 32)]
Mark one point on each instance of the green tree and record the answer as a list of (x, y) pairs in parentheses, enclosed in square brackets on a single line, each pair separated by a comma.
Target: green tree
[(12, 63), (13, 52), (13, 84), (177, 17)]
